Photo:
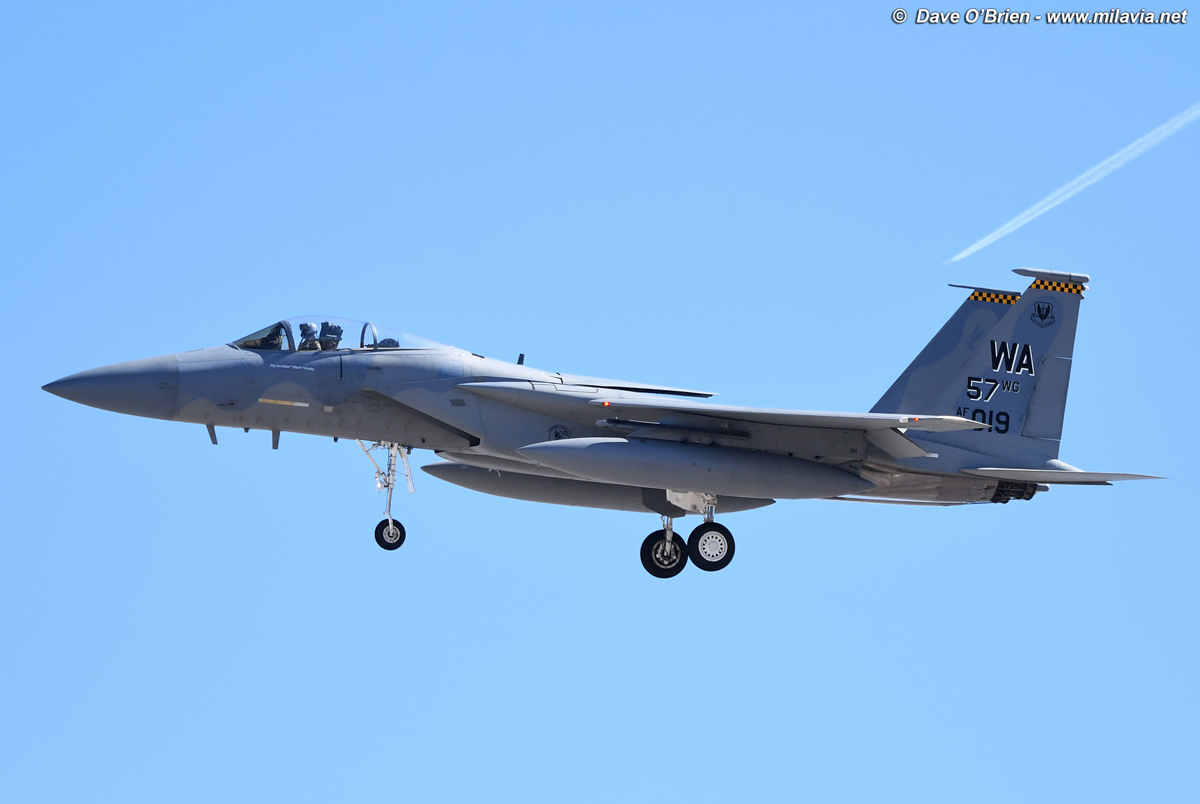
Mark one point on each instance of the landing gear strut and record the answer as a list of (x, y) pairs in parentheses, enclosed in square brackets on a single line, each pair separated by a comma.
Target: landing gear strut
[(710, 547), (389, 533), (664, 555)]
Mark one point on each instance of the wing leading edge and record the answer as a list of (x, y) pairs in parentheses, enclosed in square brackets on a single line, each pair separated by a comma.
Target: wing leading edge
[(796, 418), (531, 396)]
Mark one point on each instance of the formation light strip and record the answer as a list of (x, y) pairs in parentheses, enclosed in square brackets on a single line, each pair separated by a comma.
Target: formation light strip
[(283, 402)]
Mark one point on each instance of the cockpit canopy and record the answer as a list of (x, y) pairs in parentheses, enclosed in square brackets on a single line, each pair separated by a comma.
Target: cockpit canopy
[(322, 333)]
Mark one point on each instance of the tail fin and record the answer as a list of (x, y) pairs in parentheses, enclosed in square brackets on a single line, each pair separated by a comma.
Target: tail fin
[(1003, 359), (922, 385)]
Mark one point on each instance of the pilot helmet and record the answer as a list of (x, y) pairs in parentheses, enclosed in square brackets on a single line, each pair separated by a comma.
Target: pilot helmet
[(308, 331)]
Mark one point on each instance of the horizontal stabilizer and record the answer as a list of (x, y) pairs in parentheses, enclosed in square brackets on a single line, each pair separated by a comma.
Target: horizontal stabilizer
[(1056, 476)]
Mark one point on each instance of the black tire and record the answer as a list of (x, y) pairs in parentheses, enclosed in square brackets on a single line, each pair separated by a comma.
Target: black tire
[(381, 535), (654, 558), (710, 547)]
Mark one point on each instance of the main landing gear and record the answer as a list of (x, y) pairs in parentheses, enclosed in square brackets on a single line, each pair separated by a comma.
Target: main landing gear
[(664, 555), (710, 547), (389, 533)]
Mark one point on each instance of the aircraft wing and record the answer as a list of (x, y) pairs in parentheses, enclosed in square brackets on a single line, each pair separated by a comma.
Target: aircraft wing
[(791, 431), (788, 418)]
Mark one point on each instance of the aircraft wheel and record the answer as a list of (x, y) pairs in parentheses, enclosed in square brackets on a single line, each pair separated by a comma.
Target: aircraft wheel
[(710, 547), (389, 538), (661, 561)]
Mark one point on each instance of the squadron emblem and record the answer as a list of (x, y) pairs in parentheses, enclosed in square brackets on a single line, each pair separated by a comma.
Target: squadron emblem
[(1043, 314), (558, 432)]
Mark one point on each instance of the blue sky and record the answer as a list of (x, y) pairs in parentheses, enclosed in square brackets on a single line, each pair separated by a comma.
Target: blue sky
[(757, 200)]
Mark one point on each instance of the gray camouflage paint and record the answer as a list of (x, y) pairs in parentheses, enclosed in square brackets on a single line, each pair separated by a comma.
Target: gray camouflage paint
[(516, 431)]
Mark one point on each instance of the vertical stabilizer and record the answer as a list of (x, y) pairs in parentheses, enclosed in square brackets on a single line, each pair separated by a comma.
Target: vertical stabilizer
[(923, 383), (1012, 375)]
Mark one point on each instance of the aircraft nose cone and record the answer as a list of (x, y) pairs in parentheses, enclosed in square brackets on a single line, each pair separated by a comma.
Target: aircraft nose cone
[(140, 387)]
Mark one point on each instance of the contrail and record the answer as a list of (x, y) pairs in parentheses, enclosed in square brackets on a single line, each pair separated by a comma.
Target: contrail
[(1120, 158)]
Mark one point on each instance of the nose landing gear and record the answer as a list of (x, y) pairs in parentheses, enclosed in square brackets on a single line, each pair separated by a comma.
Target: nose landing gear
[(389, 533)]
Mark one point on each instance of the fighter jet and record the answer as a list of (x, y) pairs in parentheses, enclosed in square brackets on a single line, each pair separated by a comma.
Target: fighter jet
[(976, 418)]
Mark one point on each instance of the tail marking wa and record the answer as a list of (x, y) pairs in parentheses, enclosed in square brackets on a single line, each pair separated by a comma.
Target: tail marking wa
[(1016, 357)]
